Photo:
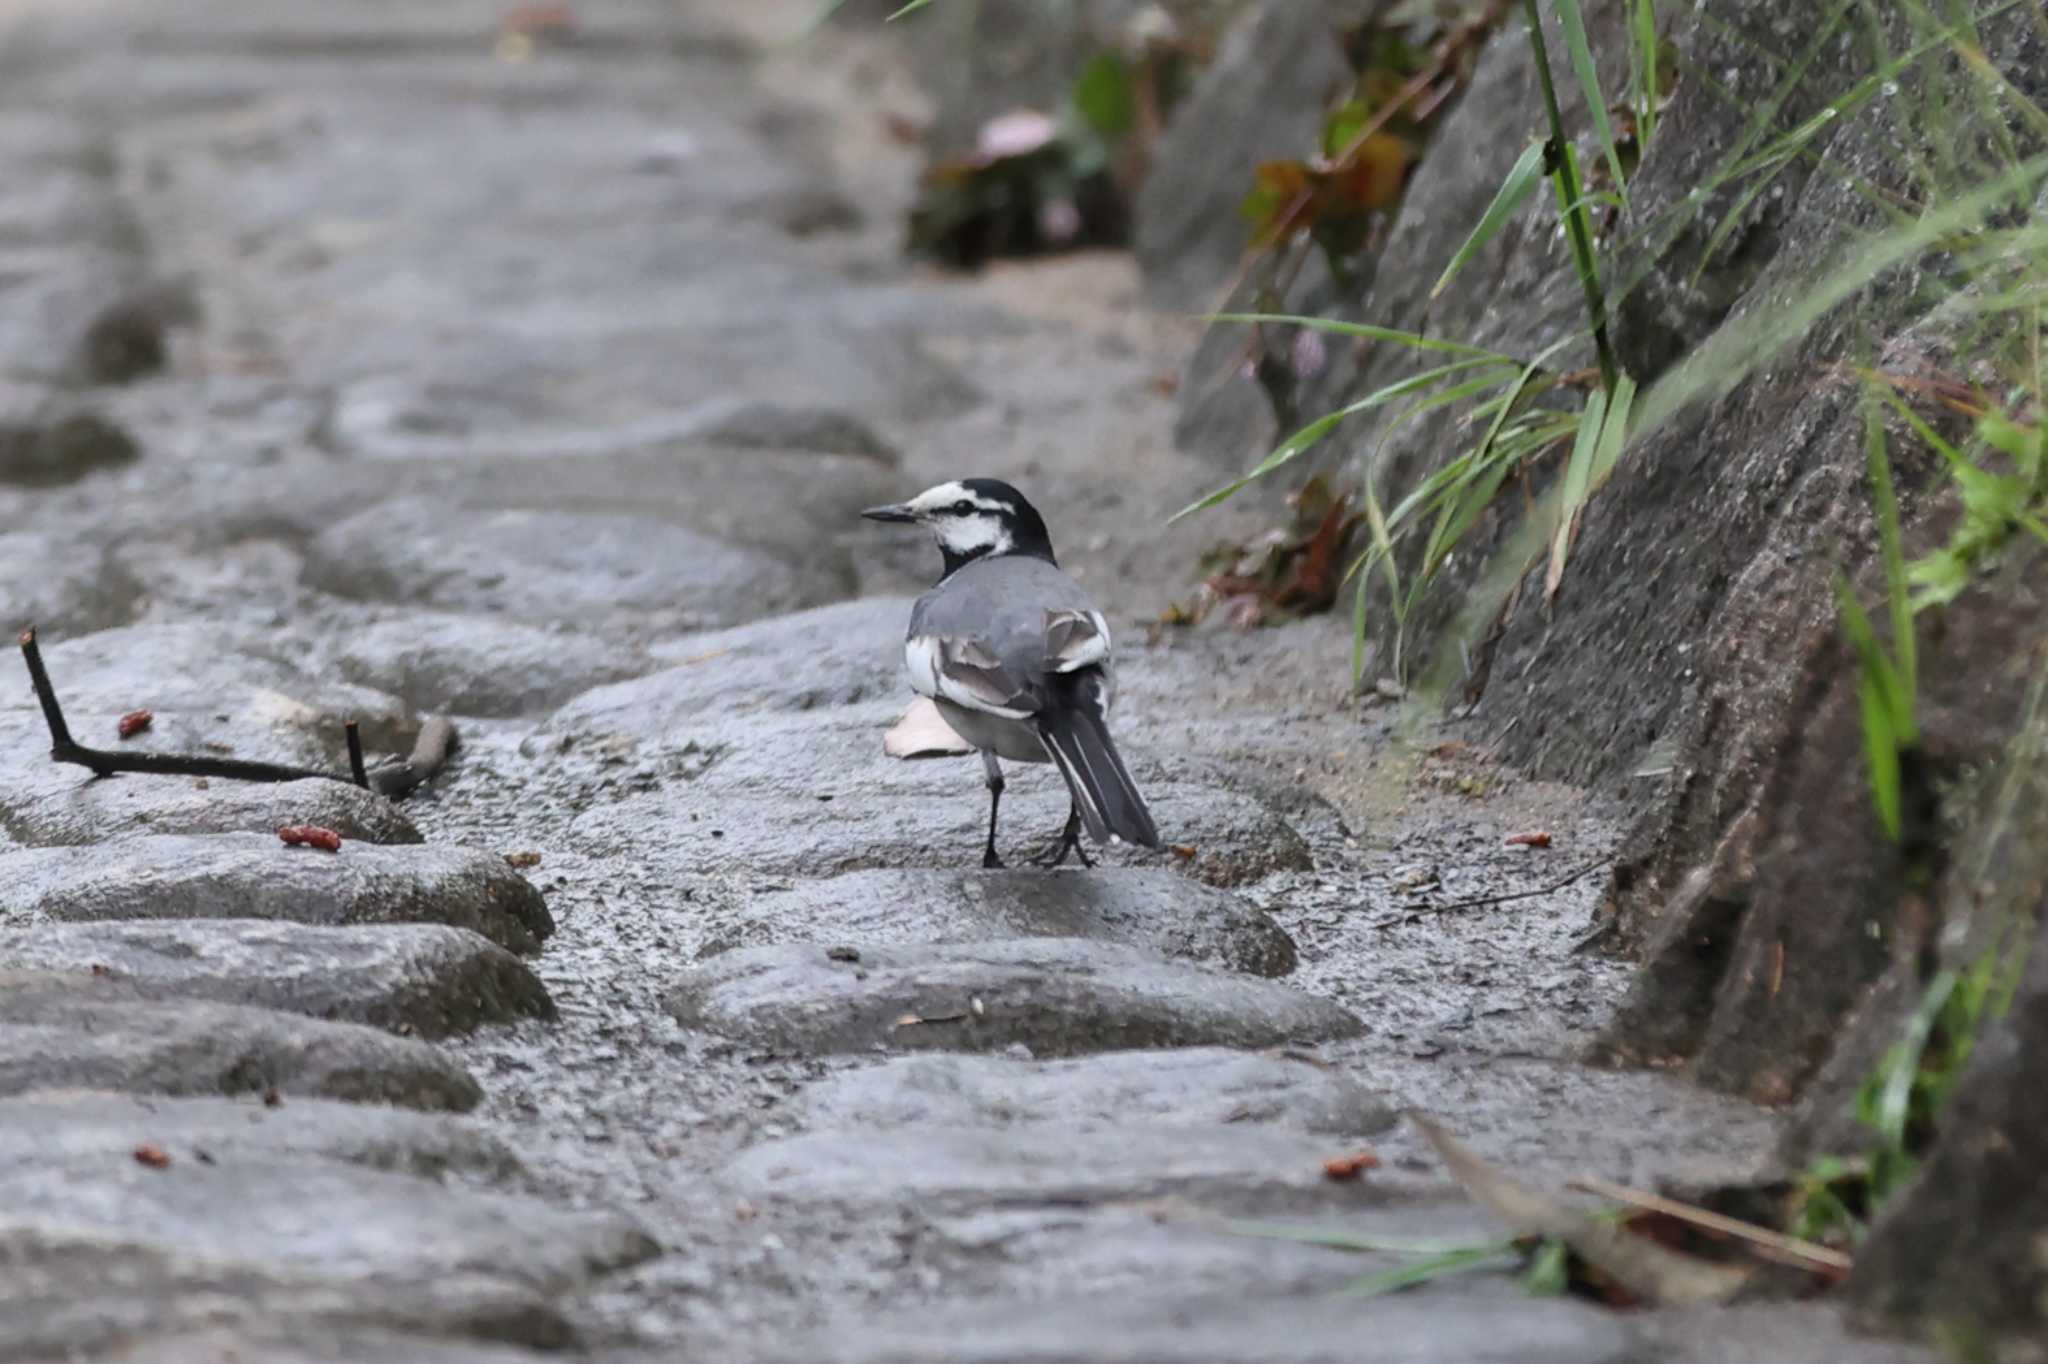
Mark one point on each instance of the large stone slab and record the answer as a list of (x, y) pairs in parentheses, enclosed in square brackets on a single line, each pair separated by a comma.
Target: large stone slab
[(451, 664), (64, 1031), (64, 805), (1155, 1328), (1143, 907), (112, 1250), (1197, 1086), (428, 980), (834, 655), (93, 1128), (283, 1343), (1056, 996), (255, 876), (555, 566), (1243, 1167), (810, 793)]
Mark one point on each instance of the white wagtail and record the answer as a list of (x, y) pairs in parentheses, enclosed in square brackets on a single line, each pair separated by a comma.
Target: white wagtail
[(1017, 659)]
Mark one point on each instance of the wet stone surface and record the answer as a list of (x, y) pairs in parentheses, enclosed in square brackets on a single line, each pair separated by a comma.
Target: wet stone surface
[(538, 380), (1136, 906), (75, 1029), (1052, 996), (255, 876), (426, 980), (1209, 1086)]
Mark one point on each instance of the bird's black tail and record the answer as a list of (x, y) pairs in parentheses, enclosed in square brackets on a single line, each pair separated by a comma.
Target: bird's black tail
[(1076, 734)]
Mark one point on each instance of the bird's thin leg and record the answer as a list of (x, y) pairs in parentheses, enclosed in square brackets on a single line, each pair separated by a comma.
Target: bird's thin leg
[(995, 799), (1069, 841)]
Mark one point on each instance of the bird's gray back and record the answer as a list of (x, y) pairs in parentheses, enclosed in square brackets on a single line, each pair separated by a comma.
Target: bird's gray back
[(1001, 602)]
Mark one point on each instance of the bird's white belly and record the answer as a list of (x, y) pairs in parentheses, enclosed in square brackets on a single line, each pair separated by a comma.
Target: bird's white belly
[(1015, 740)]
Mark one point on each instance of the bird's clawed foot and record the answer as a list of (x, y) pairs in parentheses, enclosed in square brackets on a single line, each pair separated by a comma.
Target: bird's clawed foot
[(1069, 840)]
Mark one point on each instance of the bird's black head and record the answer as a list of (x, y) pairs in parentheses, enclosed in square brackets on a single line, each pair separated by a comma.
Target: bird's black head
[(974, 518)]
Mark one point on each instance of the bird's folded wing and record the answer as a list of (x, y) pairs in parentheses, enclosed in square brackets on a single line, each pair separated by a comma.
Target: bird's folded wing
[(1075, 640), (967, 673)]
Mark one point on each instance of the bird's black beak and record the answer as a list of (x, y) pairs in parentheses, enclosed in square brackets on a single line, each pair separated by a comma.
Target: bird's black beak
[(898, 512)]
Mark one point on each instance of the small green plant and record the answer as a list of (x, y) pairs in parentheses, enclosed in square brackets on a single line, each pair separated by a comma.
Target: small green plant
[(1902, 1099)]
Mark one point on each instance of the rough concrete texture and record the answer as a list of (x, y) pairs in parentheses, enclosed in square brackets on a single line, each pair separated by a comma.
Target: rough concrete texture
[(427, 980), (539, 377)]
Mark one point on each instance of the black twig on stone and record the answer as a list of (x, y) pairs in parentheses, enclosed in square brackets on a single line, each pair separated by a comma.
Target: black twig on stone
[(354, 734), (392, 780)]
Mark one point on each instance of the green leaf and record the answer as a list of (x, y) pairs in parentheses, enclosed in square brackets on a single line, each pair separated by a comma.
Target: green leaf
[(1344, 124), (1549, 1273), (1613, 430), (1523, 177), (1337, 1238), (1581, 53), (1102, 96)]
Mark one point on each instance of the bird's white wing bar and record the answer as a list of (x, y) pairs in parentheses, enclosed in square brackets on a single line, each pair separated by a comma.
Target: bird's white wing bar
[(967, 674), (1075, 640)]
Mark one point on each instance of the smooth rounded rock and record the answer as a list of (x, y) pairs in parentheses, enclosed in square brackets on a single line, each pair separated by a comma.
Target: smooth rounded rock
[(1141, 907), (426, 980), (77, 1030), (256, 876), (1055, 996)]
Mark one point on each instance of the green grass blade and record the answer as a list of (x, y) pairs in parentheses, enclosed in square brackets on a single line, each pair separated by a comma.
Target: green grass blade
[(1367, 330), (1308, 436), (910, 8), (1741, 346), (1428, 1270), (1643, 62), (1886, 503), (1581, 53), (1339, 1239), (1522, 178), (1613, 430), (1578, 483)]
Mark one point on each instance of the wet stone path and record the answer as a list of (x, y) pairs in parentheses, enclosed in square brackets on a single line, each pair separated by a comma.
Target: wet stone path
[(361, 361)]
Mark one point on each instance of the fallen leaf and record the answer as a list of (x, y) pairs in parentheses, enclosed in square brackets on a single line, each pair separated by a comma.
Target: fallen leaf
[(1184, 851), (522, 860), (152, 1155), (1538, 839), (1351, 1166), (922, 732), (100, 969), (272, 1099), (133, 723)]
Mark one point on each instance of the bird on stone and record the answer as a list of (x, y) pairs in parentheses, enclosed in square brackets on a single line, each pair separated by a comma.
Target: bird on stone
[(1018, 660)]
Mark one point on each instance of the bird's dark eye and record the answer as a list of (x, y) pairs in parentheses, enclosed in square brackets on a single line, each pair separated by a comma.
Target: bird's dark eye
[(963, 508)]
